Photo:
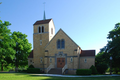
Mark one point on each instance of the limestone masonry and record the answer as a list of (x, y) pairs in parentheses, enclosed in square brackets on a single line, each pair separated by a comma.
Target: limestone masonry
[(57, 51)]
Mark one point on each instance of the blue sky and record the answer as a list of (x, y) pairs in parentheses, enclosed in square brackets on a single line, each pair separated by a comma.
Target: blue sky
[(87, 22)]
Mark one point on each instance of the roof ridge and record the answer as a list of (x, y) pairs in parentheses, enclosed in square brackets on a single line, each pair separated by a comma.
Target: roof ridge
[(42, 21)]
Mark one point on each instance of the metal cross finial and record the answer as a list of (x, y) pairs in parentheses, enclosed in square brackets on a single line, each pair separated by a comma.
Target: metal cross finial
[(44, 5)]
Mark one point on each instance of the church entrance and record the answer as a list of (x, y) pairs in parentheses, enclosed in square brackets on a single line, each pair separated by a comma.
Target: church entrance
[(60, 62)]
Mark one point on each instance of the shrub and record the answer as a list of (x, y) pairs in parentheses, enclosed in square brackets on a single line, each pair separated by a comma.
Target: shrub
[(33, 70), (31, 66), (94, 70), (116, 70), (23, 71), (83, 72), (101, 68)]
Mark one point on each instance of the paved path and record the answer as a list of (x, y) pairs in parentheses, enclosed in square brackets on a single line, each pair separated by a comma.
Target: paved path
[(57, 75)]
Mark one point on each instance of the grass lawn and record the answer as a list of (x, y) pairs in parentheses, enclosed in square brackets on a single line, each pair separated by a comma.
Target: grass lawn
[(23, 76)]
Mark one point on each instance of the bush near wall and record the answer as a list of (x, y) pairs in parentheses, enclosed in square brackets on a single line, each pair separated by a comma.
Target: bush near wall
[(31, 66), (83, 72), (94, 70), (33, 70), (101, 68)]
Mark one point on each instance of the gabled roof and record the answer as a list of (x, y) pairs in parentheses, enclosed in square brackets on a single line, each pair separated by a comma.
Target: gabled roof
[(65, 34), (42, 22), (31, 54), (87, 53)]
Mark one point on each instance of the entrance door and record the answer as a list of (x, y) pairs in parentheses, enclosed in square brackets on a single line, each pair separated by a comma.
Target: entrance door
[(60, 62)]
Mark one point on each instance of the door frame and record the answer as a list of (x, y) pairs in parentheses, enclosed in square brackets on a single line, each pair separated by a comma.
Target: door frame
[(60, 55)]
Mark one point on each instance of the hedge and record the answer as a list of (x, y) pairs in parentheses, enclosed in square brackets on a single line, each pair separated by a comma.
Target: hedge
[(83, 72), (31, 66), (94, 70), (33, 70)]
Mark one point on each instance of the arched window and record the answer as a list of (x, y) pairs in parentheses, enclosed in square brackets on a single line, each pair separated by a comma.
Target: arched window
[(62, 43), (58, 44), (39, 29), (42, 29)]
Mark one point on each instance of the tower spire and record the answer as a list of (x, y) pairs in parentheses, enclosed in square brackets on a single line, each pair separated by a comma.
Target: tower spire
[(44, 17)]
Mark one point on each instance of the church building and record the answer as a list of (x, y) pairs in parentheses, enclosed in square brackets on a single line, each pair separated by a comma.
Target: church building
[(57, 53)]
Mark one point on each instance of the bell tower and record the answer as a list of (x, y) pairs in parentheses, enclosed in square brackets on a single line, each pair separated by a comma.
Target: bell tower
[(44, 31)]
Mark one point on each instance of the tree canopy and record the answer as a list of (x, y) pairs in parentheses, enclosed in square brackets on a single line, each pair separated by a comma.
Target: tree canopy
[(112, 48), (6, 43), (14, 47), (23, 48)]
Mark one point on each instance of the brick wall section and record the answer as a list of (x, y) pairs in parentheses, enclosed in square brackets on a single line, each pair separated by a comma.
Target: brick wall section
[(29, 63), (86, 65)]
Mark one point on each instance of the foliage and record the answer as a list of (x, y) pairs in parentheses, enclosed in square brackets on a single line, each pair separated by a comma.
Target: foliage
[(10, 52), (22, 71), (22, 47), (6, 43), (94, 70), (33, 70), (31, 66), (112, 48), (83, 72), (101, 68), (116, 70)]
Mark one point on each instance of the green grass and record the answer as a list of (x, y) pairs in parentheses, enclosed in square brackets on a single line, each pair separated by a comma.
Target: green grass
[(23, 76)]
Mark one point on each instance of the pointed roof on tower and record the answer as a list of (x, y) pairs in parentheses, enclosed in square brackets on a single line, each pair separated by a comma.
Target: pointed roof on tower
[(42, 21), (44, 17)]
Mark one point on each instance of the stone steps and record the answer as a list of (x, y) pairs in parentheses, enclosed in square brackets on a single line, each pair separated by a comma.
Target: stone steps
[(55, 71)]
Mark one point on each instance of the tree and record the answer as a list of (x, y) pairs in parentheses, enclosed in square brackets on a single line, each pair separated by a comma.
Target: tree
[(6, 51), (112, 48), (22, 47)]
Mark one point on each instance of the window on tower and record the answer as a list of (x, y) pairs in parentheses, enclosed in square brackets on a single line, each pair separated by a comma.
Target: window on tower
[(40, 42), (51, 30), (39, 29), (42, 29)]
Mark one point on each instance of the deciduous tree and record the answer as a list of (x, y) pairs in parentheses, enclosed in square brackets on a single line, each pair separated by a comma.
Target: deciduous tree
[(6, 51), (23, 48)]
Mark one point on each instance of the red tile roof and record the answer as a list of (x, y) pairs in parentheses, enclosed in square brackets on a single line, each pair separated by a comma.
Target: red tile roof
[(31, 54), (42, 22), (87, 53)]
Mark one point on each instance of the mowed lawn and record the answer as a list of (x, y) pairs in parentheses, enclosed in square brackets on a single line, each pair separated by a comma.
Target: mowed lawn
[(20, 76)]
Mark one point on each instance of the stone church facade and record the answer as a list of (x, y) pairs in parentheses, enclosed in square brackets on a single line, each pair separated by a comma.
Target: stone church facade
[(57, 51)]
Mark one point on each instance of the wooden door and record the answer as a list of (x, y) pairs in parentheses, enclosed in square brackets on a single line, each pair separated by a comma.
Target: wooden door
[(60, 62)]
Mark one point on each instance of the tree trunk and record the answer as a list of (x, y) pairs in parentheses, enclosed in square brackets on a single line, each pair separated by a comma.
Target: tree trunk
[(1, 66)]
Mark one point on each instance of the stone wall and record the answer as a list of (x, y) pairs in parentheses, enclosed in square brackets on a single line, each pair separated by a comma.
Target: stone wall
[(88, 63)]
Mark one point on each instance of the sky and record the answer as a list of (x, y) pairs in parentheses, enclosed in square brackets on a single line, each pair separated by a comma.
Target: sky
[(86, 22)]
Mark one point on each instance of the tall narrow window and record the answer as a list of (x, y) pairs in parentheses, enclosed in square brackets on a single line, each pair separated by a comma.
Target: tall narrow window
[(85, 60), (51, 30), (58, 44), (42, 29), (40, 42), (62, 43), (71, 59), (50, 59), (41, 59), (39, 29)]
